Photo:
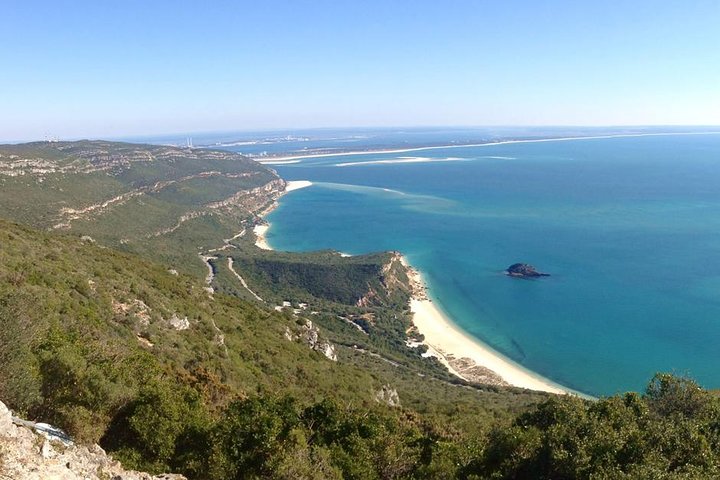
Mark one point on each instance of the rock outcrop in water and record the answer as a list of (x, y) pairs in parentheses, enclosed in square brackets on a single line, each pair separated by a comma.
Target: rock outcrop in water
[(523, 270)]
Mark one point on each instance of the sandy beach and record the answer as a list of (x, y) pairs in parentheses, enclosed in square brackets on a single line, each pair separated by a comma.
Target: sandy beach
[(462, 354), (260, 240), (296, 185), (261, 230)]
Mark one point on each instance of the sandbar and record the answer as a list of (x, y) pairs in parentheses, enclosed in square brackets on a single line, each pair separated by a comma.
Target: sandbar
[(292, 158)]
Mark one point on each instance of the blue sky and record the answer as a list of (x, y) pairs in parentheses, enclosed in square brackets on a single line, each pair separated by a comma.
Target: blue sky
[(112, 68)]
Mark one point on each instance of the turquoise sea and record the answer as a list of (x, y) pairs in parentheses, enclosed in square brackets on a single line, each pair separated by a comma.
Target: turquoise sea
[(629, 229)]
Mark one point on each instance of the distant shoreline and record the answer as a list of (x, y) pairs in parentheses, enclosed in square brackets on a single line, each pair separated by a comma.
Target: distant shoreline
[(290, 159)]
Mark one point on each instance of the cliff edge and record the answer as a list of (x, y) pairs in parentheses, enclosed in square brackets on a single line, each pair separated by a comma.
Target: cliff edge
[(28, 455)]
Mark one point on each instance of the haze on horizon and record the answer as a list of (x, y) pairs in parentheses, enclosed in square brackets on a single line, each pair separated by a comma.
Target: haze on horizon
[(102, 69)]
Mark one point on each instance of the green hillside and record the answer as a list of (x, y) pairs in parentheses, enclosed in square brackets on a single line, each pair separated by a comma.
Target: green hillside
[(165, 202), (87, 331)]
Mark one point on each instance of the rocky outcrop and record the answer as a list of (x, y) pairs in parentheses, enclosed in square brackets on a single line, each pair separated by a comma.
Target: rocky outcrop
[(310, 335), (135, 308), (388, 395), (367, 300), (523, 270), (253, 200), (179, 323), (26, 454)]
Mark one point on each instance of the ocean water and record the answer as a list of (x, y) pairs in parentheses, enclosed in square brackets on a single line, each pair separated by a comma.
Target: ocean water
[(629, 229)]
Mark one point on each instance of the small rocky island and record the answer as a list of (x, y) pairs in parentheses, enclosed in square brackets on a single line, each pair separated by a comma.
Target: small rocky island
[(523, 270)]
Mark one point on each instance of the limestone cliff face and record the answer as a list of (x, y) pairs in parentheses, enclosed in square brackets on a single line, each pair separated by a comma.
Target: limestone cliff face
[(256, 200), (394, 280), (28, 455), (396, 274)]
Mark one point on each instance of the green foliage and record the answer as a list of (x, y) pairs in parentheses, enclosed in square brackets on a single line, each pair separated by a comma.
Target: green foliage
[(254, 436), (670, 432), (276, 437), (325, 277), (670, 395), (336, 281), (19, 368), (166, 422)]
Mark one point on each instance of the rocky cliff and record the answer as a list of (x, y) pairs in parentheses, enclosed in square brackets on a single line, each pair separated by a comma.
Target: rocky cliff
[(26, 454)]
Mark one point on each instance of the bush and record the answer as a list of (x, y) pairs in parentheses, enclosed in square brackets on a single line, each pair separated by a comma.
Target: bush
[(158, 428), (670, 432)]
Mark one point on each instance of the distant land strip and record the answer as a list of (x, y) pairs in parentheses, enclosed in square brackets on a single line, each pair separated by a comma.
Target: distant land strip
[(295, 158)]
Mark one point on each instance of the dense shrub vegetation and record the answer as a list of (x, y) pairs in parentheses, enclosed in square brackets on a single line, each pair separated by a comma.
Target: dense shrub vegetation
[(86, 344), (672, 431)]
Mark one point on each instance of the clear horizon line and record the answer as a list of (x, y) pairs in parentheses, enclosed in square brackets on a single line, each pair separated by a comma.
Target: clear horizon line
[(357, 127)]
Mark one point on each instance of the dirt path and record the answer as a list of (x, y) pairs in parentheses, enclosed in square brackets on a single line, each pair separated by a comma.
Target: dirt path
[(242, 281), (211, 271)]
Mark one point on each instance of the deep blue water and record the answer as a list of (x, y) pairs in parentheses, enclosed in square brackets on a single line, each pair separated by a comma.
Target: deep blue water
[(629, 228)]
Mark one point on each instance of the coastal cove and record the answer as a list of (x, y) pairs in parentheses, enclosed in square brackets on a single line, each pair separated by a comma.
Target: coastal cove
[(459, 352), (573, 209)]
